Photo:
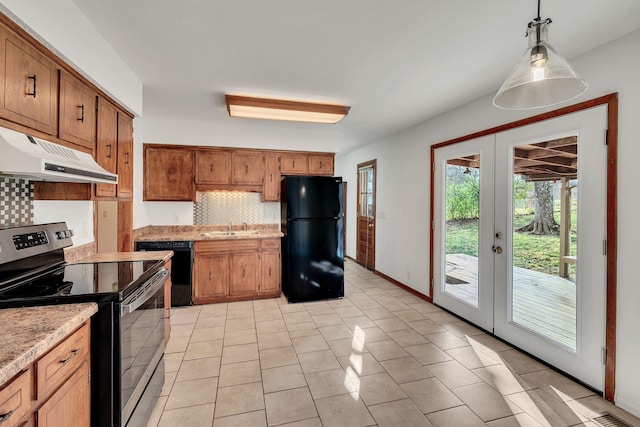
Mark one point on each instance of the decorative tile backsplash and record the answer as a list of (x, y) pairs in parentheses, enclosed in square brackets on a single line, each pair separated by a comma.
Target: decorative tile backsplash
[(220, 207), (16, 202)]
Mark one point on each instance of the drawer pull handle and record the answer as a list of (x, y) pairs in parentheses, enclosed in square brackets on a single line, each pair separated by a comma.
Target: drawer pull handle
[(71, 356), (110, 151), (210, 167), (246, 169), (81, 118), (126, 158), (33, 92), (4, 417)]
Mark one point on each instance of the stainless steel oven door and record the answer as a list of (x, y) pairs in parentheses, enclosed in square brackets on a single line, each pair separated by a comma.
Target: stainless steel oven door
[(142, 343)]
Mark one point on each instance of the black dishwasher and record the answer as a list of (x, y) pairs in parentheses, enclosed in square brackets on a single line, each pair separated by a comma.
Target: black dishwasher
[(181, 267)]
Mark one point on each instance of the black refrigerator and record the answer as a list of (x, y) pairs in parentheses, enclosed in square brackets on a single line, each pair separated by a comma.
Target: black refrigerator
[(312, 246)]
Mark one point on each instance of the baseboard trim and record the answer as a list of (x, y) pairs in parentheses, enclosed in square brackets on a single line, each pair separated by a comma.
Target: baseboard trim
[(403, 286)]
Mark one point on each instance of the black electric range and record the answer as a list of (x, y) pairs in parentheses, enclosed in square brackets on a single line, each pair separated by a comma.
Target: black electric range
[(127, 332)]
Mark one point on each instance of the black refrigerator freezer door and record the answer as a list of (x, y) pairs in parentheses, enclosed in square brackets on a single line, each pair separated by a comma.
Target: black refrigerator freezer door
[(312, 197), (313, 265)]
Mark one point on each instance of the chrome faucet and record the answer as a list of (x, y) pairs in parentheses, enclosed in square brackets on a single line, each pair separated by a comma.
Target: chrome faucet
[(229, 225), (244, 226)]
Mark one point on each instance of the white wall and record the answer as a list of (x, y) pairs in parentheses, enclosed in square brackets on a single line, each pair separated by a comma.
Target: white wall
[(402, 239), (77, 214)]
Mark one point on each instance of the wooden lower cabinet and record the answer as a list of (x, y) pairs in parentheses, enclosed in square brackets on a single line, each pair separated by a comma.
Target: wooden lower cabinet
[(210, 275), (271, 269), (234, 270), (68, 406), (244, 279), (55, 390)]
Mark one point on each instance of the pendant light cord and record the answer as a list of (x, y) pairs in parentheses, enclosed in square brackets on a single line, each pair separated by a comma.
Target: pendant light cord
[(537, 21)]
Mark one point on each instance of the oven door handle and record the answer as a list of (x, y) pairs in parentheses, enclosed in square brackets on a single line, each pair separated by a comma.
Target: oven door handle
[(144, 294)]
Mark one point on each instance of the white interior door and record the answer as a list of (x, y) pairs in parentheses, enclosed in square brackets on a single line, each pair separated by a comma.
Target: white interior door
[(543, 294), (558, 319), (463, 265)]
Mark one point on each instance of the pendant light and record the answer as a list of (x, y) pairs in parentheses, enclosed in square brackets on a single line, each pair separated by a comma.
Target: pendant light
[(542, 77)]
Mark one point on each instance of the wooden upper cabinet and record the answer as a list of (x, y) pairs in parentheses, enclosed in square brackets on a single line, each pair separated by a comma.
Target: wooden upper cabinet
[(28, 85), (247, 168), (168, 174), (271, 186), (107, 144), (294, 164), (125, 155), (320, 164), (77, 112), (213, 167)]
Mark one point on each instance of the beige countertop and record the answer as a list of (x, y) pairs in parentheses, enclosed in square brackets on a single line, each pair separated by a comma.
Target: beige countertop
[(210, 235), (126, 256), (28, 333)]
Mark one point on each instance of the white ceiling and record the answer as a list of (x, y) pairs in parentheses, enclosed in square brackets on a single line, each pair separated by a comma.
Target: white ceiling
[(396, 63)]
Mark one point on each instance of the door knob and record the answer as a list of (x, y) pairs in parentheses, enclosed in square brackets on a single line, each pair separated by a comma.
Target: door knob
[(496, 249)]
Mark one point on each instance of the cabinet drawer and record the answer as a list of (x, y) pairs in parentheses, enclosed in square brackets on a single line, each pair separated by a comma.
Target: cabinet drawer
[(15, 399), (227, 245), (270, 244), (57, 365)]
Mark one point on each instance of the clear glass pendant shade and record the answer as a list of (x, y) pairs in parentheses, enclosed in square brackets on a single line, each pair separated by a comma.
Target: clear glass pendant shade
[(541, 78)]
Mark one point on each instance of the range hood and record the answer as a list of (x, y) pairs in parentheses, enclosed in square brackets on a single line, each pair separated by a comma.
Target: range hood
[(27, 157)]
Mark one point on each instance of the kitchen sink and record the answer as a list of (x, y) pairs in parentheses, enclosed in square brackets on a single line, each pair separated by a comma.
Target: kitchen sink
[(230, 233)]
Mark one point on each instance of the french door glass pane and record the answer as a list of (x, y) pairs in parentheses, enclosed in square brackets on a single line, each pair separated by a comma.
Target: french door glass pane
[(543, 279), (462, 198)]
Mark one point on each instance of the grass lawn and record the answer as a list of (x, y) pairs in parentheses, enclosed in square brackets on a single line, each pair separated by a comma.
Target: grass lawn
[(539, 253)]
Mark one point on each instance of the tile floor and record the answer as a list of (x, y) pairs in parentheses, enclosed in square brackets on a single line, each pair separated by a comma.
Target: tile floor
[(378, 357)]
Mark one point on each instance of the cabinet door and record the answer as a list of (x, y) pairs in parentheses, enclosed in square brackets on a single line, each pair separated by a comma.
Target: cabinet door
[(271, 186), (247, 168), (106, 144), (294, 164), (213, 167), (210, 276), (28, 85), (244, 273), (320, 164), (77, 112), (125, 155), (270, 272), (15, 398), (70, 405), (168, 174)]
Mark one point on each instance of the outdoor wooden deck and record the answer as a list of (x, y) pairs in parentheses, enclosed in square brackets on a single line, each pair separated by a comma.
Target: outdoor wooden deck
[(541, 302)]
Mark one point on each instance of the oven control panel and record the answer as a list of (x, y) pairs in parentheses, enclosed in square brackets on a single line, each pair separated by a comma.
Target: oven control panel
[(29, 240), (26, 241)]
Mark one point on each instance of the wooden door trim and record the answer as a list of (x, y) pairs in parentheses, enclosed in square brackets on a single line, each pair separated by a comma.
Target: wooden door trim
[(611, 101), (374, 164)]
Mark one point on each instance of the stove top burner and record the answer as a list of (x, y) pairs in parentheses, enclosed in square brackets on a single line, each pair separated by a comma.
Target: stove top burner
[(38, 289)]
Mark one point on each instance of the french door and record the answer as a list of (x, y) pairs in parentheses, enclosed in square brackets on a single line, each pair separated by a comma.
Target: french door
[(519, 230)]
